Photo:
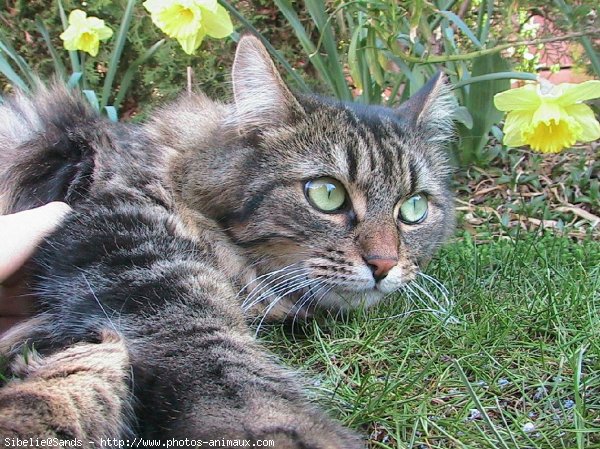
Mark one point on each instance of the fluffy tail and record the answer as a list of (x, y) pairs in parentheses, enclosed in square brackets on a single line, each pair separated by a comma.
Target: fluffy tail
[(46, 148)]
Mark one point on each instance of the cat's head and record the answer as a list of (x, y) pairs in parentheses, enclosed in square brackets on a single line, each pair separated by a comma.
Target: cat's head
[(335, 204)]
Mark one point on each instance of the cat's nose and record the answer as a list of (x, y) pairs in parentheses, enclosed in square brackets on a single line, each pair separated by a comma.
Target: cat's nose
[(380, 266)]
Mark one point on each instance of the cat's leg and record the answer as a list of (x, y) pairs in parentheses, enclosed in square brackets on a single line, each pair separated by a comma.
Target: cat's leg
[(80, 393), (219, 383)]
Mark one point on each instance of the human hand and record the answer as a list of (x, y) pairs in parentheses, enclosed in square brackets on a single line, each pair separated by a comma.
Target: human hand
[(20, 234)]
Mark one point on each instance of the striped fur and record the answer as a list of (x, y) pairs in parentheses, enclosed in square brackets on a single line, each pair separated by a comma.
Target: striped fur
[(178, 222)]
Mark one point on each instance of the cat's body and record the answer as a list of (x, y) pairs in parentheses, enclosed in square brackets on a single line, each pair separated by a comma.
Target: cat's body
[(174, 219)]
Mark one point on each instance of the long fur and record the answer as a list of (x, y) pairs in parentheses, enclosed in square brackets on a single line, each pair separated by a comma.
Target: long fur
[(182, 224)]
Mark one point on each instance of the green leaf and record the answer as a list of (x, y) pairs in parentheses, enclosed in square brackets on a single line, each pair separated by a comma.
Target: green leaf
[(111, 112), (59, 67), (479, 102), (132, 70), (497, 133), (372, 59), (92, 98), (309, 47), (73, 55), (12, 76), (117, 51), (74, 79), (353, 60), (286, 65), (22, 65), (462, 115), (585, 41), (462, 26), (484, 19), (316, 9)]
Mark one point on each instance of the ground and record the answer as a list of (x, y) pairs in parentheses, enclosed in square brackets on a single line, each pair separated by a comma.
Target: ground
[(516, 363)]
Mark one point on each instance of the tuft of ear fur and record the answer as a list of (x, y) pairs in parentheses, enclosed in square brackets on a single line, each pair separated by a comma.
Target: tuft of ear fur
[(261, 96), (430, 110)]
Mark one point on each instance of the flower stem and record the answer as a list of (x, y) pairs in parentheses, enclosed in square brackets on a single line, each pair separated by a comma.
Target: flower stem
[(496, 49)]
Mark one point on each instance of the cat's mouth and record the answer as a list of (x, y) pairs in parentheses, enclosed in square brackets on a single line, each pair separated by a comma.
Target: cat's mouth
[(297, 291), (334, 298)]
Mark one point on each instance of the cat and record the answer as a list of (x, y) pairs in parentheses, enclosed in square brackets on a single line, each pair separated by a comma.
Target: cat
[(187, 227)]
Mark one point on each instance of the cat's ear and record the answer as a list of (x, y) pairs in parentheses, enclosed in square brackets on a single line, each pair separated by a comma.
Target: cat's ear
[(261, 97), (430, 109)]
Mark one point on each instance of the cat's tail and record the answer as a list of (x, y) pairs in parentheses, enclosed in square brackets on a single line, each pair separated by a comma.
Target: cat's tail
[(45, 148)]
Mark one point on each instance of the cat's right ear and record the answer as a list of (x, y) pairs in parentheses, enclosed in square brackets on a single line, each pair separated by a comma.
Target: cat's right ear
[(430, 110), (261, 97)]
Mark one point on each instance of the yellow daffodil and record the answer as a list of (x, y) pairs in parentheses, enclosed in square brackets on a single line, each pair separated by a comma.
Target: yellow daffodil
[(549, 118), (85, 33), (189, 21)]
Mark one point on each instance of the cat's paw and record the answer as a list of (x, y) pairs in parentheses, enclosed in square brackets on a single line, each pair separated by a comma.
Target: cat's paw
[(318, 437)]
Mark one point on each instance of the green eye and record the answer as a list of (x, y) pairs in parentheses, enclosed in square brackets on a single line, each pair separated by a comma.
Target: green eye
[(325, 194), (414, 209)]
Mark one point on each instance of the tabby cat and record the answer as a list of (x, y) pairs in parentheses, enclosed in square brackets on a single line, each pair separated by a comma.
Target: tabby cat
[(185, 228)]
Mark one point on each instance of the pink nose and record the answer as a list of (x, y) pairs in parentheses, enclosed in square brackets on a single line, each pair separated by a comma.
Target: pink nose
[(380, 266)]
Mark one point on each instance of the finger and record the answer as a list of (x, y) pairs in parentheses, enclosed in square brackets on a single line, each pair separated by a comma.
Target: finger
[(23, 231)]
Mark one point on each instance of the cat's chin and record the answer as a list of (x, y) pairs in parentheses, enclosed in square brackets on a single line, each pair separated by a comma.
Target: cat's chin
[(346, 300)]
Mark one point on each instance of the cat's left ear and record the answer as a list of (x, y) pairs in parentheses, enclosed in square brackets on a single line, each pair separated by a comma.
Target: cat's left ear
[(261, 97), (430, 109)]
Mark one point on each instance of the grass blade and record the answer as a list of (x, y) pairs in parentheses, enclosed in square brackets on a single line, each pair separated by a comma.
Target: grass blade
[(579, 388), (479, 405), (113, 65)]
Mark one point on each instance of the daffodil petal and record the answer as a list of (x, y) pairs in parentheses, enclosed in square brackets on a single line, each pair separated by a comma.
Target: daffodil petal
[(210, 5), (189, 21), (516, 122), (583, 114), (180, 21), (69, 34), (519, 99), (217, 24), (104, 33), (77, 16), (574, 93), (154, 6)]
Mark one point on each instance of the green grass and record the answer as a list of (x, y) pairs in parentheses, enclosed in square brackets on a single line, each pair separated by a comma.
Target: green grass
[(520, 369)]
